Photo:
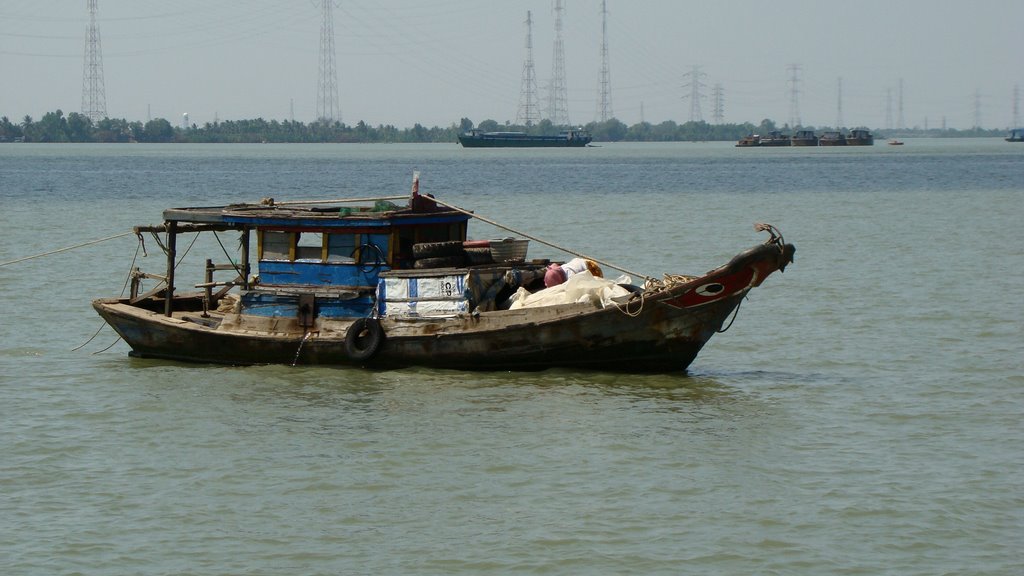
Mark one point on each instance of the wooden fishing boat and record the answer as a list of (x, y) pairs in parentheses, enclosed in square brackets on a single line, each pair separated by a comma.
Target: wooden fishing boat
[(392, 285)]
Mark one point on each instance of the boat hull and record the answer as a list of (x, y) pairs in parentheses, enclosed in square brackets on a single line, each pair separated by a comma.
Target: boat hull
[(661, 330), (606, 340), (538, 142)]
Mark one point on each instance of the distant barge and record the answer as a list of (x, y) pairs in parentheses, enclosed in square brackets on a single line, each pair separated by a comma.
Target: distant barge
[(856, 137), (481, 139)]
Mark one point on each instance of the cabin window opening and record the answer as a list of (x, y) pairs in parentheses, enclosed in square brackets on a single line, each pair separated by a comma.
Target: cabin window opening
[(341, 247), (437, 233), (275, 245), (309, 246)]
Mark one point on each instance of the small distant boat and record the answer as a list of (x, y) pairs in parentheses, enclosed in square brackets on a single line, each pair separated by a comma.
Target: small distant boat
[(895, 142), (749, 141), (567, 139), (775, 138), (392, 285), (804, 138), (1016, 135), (832, 139), (860, 137)]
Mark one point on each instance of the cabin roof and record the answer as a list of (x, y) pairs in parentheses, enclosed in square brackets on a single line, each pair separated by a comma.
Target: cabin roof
[(260, 215)]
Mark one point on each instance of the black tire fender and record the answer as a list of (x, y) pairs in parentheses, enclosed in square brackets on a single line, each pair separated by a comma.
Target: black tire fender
[(440, 262), (437, 249), (363, 339)]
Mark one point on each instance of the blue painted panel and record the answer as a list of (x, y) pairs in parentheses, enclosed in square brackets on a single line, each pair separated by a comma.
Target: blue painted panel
[(287, 306), (282, 273)]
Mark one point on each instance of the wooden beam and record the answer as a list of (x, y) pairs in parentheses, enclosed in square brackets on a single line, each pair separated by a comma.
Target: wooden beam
[(172, 241), (185, 228)]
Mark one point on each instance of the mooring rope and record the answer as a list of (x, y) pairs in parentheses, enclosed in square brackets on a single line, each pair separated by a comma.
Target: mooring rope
[(65, 249), (108, 347), (536, 239), (123, 288), (226, 255)]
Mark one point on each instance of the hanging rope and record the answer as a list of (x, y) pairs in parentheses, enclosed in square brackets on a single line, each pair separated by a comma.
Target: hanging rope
[(735, 313), (108, 347), (544, 242), (226, 255), (123, 288), (89, 243)]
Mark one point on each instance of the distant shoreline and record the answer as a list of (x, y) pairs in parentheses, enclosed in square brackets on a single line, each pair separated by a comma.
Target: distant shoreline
[(55, 127)]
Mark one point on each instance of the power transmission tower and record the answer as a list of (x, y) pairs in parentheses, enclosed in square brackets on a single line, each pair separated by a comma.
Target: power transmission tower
[(327, 107), (899, 108), (528, 114), (888, 108), (1016, 106), (718, 104), (558, 100), (977, 109), (839, 103), (604, 104), (695, 94), (94, 98), (794, 95)]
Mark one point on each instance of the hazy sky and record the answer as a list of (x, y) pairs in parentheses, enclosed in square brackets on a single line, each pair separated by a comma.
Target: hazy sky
[(436, 61)]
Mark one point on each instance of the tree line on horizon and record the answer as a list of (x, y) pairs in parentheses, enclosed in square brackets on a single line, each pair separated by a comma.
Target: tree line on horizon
[(55, 127)]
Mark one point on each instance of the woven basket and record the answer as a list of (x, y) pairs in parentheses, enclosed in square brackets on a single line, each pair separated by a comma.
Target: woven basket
[(509, 249)]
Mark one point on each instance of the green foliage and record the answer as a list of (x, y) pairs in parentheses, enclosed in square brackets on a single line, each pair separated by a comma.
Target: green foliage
[(75, 127)]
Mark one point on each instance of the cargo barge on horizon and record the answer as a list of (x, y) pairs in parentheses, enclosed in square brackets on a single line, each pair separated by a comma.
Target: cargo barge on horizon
[(575, 138)]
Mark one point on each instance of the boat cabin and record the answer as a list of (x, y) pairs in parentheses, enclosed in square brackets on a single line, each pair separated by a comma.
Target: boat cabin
[(334, 254)]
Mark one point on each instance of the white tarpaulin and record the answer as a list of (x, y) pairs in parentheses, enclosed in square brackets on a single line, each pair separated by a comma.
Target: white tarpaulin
[(583, 287)]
